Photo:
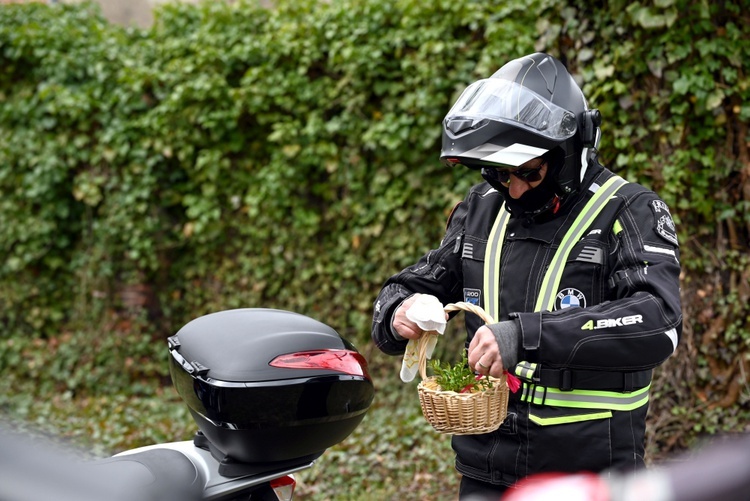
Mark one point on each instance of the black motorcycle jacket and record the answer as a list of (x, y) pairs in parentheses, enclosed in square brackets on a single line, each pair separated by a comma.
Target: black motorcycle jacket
[(616, 316)]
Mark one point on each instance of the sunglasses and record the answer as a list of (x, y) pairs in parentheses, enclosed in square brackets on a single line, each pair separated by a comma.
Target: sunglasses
[(503, 175)]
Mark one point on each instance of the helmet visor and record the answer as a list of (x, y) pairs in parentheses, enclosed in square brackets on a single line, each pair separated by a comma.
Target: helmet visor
[(496, 98)]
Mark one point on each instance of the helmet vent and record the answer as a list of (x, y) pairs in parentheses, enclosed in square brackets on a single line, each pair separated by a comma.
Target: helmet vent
[(456, 126)]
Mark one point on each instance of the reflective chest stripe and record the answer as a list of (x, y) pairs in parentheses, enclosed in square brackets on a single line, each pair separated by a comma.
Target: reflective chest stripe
[(546, 299), (492, 263), (585, 399)]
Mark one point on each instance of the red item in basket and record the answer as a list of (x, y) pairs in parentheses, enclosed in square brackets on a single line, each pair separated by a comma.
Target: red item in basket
[(513, 382)]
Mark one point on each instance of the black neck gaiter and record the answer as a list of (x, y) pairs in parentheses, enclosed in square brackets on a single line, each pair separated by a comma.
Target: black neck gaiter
[(533, 202)]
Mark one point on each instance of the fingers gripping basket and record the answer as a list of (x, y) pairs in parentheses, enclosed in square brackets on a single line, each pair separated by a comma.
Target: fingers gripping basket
[(461, 413)]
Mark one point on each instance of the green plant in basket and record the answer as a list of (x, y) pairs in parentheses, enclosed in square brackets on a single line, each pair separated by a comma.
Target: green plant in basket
[(458, 377)]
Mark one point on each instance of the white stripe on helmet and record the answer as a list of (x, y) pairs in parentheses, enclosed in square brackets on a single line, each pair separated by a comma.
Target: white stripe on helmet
[(515, 155)]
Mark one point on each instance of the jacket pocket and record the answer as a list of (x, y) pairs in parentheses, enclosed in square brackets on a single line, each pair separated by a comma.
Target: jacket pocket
[(490, 457), (583, 282), (569, 440)]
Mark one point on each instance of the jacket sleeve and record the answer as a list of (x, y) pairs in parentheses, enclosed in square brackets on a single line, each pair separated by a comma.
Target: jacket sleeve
[(640, 324), (437, 273)]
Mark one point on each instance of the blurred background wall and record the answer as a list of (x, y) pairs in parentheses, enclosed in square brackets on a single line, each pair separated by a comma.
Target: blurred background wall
[(126, 12)]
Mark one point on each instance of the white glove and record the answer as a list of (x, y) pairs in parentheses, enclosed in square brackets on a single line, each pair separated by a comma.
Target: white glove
[(428, 313)]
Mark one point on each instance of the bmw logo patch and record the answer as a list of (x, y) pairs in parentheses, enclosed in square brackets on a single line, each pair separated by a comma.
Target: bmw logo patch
[(569, 298)]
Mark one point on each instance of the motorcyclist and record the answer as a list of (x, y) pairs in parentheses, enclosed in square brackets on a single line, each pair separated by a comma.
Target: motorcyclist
[(579, 268)]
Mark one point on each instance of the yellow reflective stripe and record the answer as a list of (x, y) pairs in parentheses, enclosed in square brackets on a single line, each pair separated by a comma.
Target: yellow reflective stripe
[(492, 263), (546, 299), (617, 228), (525, 370), (541, 421), (586, 399)]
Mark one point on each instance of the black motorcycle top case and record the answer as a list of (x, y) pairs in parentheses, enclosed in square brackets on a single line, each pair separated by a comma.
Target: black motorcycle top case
[(268, 385)]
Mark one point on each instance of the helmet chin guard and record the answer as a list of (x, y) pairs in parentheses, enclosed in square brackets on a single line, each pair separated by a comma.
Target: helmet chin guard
[(528, 108)]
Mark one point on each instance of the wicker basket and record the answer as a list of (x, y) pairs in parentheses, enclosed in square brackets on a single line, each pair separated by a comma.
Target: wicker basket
[(461, 413)]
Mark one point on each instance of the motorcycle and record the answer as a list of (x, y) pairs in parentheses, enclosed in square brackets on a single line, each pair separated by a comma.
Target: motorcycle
[(270, 392)]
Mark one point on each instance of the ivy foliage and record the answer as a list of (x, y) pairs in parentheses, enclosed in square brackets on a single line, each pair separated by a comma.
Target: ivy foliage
[(173, 157), (672, 80), (235, 156)]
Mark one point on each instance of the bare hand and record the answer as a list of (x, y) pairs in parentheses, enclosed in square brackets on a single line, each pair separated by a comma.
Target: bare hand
[(405, 327), (484, 354), (401, 323)]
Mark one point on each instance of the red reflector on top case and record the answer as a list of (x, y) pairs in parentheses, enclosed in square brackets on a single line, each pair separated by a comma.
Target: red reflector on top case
[(346, 361)]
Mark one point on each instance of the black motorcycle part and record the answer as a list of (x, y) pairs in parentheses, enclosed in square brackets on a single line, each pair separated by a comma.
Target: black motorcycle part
[(231, 468), (269, 385), (153, 475)]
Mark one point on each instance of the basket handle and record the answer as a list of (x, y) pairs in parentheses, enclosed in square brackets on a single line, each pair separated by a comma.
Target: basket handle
[(471, 308), (429, 338)]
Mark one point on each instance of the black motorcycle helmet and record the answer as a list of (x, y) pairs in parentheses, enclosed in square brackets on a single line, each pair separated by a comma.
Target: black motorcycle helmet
[(531, 107)]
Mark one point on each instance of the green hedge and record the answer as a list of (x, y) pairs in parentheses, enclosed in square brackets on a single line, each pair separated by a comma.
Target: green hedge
[(234, 156), (170, 159)]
